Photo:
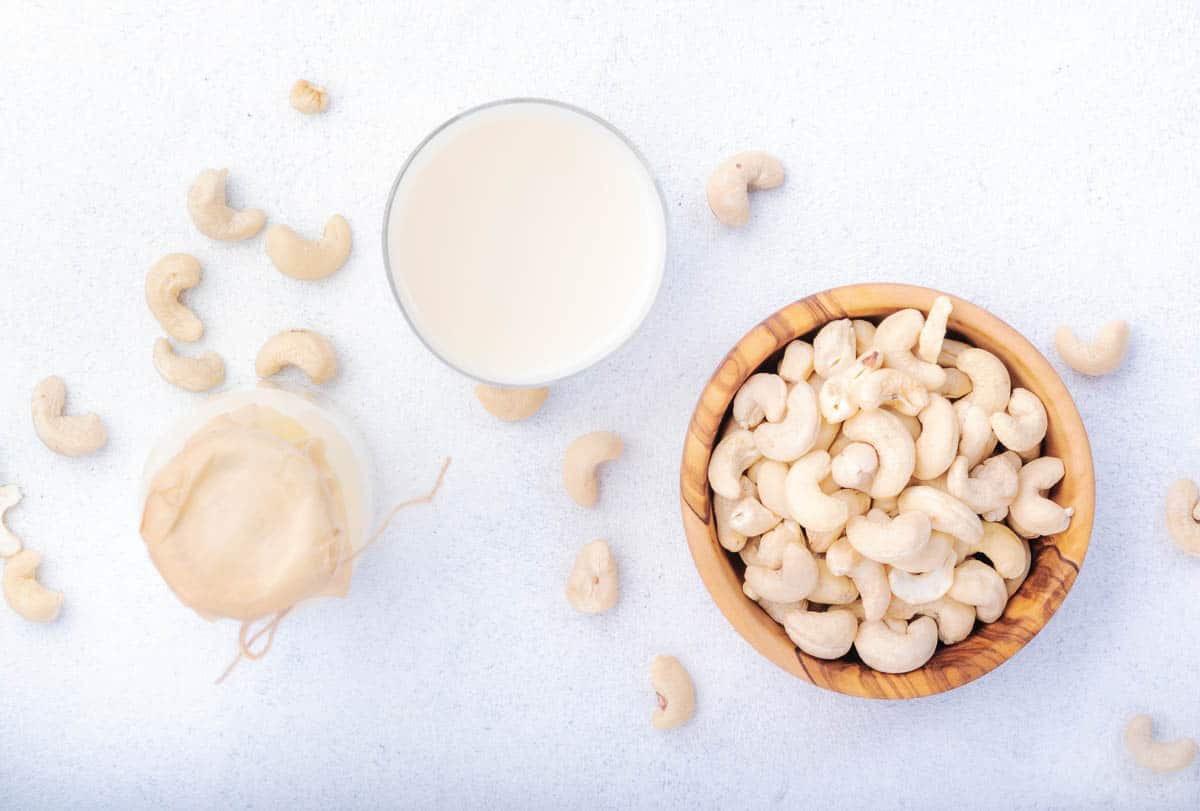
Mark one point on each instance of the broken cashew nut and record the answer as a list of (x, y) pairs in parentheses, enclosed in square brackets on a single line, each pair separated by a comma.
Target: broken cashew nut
[(592, 584), (1100, 357), (168, 278), (309, 352), (75, 435), (25, 595), (582, 461), (675, 691), (309, 260), (1157, 756), (730, 184), (509, 404), (191, 374), (308, 98), (10, 544), (211, 213)]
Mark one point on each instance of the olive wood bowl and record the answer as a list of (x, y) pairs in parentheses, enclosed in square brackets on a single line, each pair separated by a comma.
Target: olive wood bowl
[(1056, 559)]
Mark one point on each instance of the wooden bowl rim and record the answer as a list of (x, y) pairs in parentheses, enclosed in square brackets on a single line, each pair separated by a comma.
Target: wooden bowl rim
[(1057, 559)]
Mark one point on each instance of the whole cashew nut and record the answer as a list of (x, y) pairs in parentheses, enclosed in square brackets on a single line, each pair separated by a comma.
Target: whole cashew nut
[(749, 517), (166, 281), (833, 348), (727, 536), (825, 635), (977, 441), (919, 589), (1101, 356), (946, 513), (736, 451), (730, 184), (1013, 584), (1157, 756), (896, 336), (989, 488), (854, 467), (313, 354), (991, 385), (884, 539), (772, 486), (902, 651), (937, 445), (933, 332), (864, 335), (511, 404), (812, 508), (1032, 515), (795, 578), (797, 362), (832, 589), (581, 461), (868, 576), (69, 435), (212, 215), (592, 584), (675, 691), (893, 445), (839, 395), (955, 620), (1008, 553), (1183, 515), (191, 374), (1023, 427), (793, 436), (308, 98), (309, 260), (10, 544), (25, 595), (976, 583), (762, 396)]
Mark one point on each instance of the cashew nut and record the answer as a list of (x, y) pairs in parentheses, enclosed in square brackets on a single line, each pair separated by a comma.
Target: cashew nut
[(896, 651), (926, 587), (313, 354), (308, 98), (893, 388), (761, 396), (722, 508), (933, 332), (833, 348), (191, 374), (795, 578), (929, 557), (857, 503), (511, 404), (884, 539), (1023, 427), (731, 182), (69, 435), (976, 583), (736, 451), (1157, 756), (1032, 515), (825, 635), (779, 611), (767, 551), (583, 457), (749, 517), (1183, 515), (168, 278), (990, 382), (1101, 356), (212, 215), (977, 441), (24, 593), (957, 385), (675, 691), (839, 395), (592, 584), (868, 576), (854, 467), (896, 336), (864, 335), (946, 513), (832, 589), (772, 485), (793, 436), (10, 544), (893, 445), (809, 505), (309, 260), (797, 362), (955, 620), (987, 489), (937, 445), (1013, 584), (1008, 553)]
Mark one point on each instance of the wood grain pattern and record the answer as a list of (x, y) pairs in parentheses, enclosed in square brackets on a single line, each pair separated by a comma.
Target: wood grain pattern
[(1056, 560)]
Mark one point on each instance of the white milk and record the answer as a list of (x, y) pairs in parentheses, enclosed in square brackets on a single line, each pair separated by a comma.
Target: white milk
[(525, 241)]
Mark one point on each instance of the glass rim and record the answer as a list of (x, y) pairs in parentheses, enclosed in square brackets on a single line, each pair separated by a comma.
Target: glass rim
[(387, 216)]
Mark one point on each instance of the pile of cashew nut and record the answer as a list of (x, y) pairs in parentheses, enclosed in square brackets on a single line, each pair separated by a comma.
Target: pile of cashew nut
[(881, 486)]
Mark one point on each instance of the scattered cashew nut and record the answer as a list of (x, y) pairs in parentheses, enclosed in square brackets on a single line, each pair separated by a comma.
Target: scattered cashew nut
[(166, 281), (1157, 756), (75, 435), (581, 461), (675, 691), (730, 184), (309, 260), (211, 213), (25, 595), (308, 98), (511, 404), (1100, 357), (313, 354), (191, 374), (592, 584)]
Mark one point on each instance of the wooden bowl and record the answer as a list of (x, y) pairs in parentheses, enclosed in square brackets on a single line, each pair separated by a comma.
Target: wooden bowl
[(1056, 559)]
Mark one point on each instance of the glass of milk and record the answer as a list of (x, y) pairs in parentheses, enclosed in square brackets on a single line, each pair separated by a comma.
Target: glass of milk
[(525, 240)]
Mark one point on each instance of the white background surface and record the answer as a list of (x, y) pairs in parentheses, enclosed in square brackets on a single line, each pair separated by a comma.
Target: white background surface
[(1040, 162)]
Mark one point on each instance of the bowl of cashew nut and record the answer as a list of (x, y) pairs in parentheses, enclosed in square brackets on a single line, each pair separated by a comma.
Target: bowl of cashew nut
[(887, 490)]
